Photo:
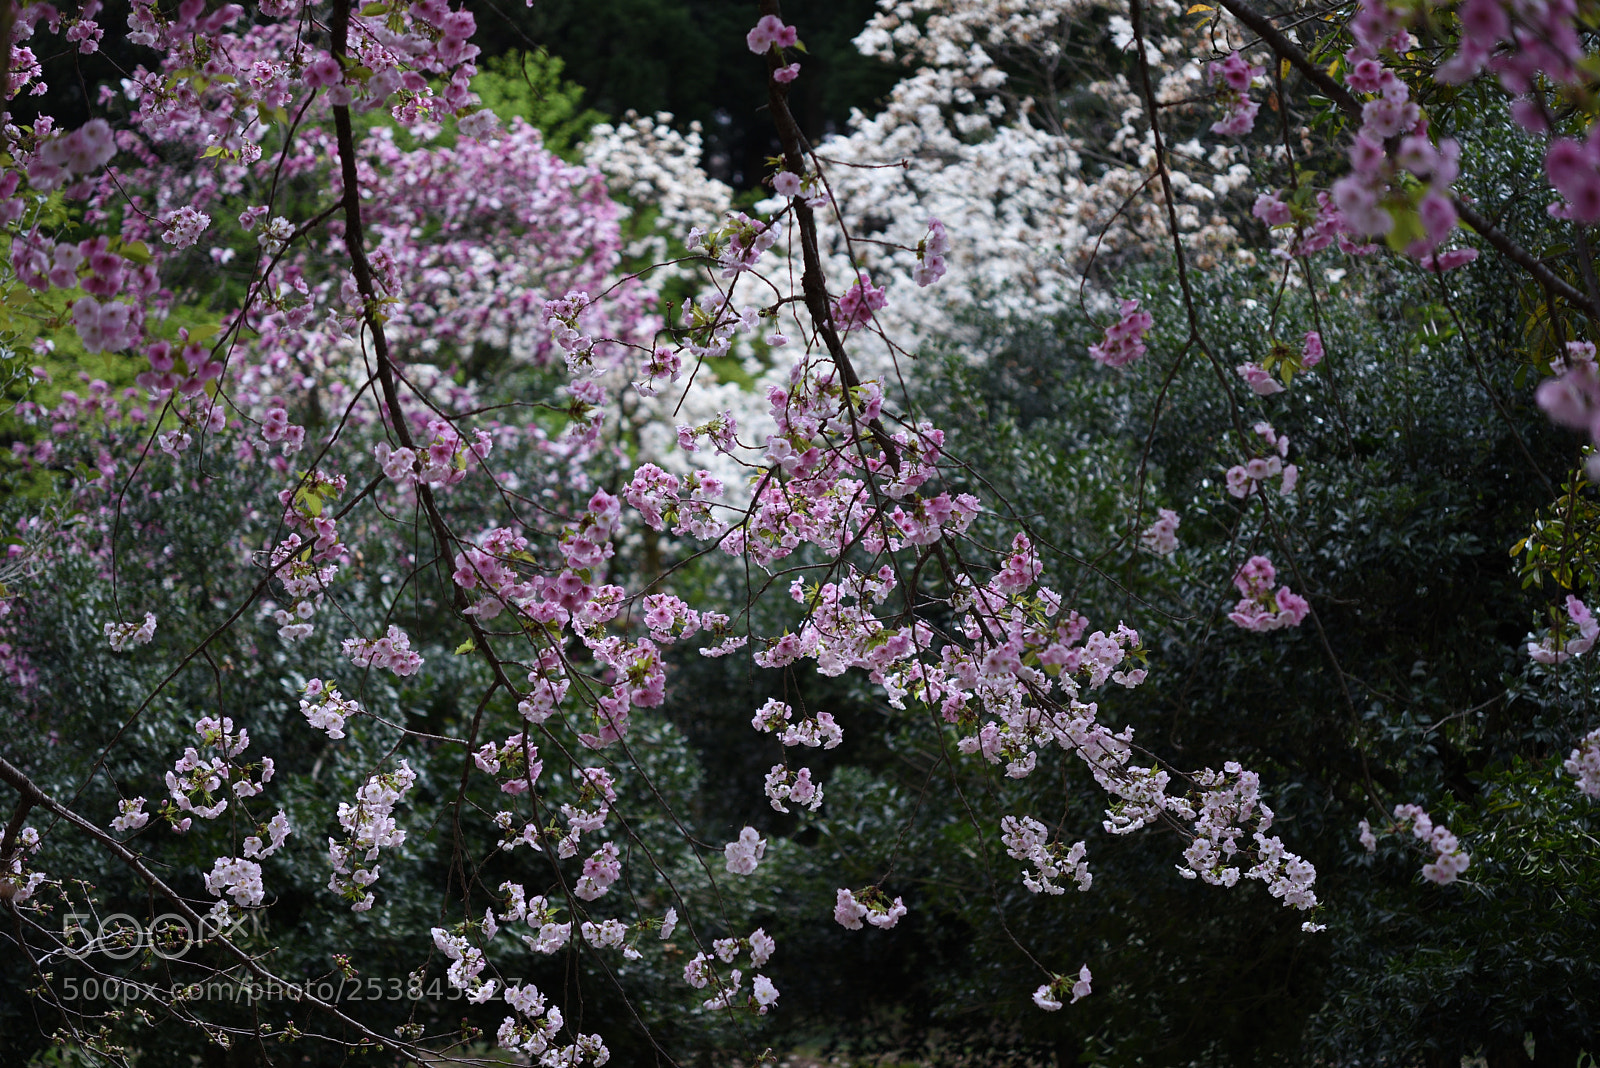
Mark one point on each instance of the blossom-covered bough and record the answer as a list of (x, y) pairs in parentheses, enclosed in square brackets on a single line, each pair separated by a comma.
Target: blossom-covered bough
[(380, 268)]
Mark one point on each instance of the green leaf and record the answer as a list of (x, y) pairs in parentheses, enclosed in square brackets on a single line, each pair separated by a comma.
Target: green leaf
[(1407, 227)]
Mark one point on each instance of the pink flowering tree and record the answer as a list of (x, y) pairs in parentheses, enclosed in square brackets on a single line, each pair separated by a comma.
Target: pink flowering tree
[(460, 492)]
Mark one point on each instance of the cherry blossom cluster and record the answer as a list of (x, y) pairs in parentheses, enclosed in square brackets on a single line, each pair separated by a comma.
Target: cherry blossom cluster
[(1243, 478), (1573, 167), (565, 317), (816, 492), (713, 323), (736, 245), (305, 510), (184, 226), (467, 961), (1259, 379), (1544, 41), (1124, 340), (196, 781), (1228, 801), (775, 717), (103, 325), (721, 430), (183, 369), (123, 636), (771, 33), (931, 252), (640, 681), (277, 831), (535, 1034), (58, 157), (370, 828), (855, 308), (517, 759), (1228, 820), (660, 370), (1028, 839), (1551, 650), (587, 543), (392, 651), (305, 582), (609, 934), (204, 416), (1571, 397), (1310, 228), (1007, 632), (595, 788), (237, 878), (1584, 764), (537, 1025), (807, 187), (244, 74), (1048, 997), (1161, 537), (664, 499), (547, 688), (1311, 351), (18, 878), (782, 785), (130, 815), (441, 462), (702, 972), (1235, 76), (745, 852), (73, 412), (1259, 608), (601, 869), (871, 905), (1449, 859), (546, 935), (1400, 180), (326, 709)]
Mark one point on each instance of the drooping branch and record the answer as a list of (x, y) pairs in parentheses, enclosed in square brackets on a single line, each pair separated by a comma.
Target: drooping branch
[(35, 795)]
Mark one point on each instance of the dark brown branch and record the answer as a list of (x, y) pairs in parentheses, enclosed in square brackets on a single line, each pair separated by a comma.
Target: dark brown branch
[(14, 828), (1284, 48), (1342, 98), (1502, 243), (356, 248), (812, 282)]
